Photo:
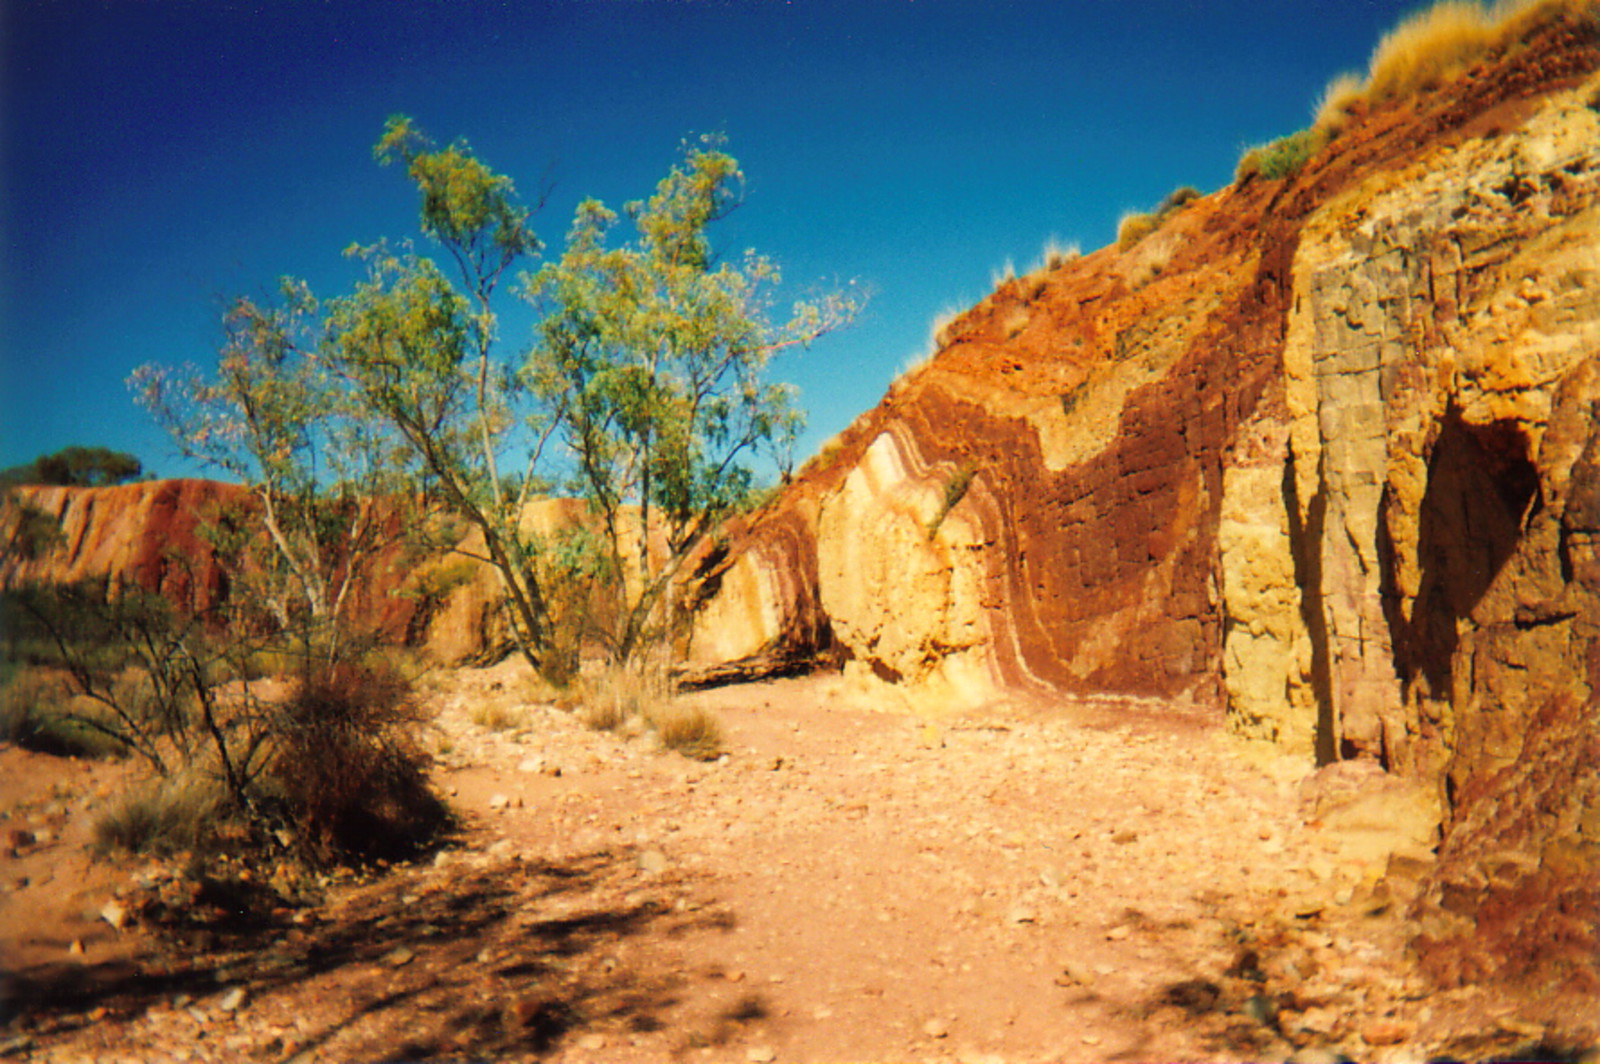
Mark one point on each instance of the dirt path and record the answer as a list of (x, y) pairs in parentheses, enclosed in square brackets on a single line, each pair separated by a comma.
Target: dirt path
[(851, 882)]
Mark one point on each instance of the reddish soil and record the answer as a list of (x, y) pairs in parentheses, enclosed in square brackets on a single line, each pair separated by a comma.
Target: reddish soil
[(1068, 881)]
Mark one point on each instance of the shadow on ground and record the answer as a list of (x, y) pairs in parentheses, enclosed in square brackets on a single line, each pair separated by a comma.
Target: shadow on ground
[(484, 957)]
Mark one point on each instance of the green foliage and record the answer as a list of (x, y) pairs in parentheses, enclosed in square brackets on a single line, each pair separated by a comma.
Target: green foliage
[(1285, 156), (649, 366), (644, 393), (37, 712), (273, 417), (417, 352), (29, 532), (334, 764), (122, 669), (89, 467), (955, 489)]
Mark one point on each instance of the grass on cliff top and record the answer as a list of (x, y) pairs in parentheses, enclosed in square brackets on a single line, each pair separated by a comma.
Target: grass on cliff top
[(1426, 50)]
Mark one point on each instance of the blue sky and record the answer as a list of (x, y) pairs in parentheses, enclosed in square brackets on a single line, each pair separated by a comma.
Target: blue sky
[(159, 156)]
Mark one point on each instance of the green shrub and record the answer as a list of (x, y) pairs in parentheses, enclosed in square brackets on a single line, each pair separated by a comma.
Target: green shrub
[(1285, 156), (38, 711)]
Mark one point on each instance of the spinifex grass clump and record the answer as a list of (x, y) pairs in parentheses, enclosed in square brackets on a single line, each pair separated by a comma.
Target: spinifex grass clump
[(162, 817), (642, 695), (1427, 49)]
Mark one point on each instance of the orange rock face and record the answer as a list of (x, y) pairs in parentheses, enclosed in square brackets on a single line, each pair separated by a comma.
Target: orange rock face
[(1318, 452), (148, 534)]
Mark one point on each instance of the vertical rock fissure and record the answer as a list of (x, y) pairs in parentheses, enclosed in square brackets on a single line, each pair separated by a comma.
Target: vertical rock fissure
[(1305, 538)]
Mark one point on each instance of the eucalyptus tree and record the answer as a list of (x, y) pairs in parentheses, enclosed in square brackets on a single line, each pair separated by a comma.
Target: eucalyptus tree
[(417, 343), (649, 366), (273, 418), (644, 392)]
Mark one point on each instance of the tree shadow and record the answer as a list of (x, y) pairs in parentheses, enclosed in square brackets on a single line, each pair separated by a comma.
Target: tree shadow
[(482, 958)]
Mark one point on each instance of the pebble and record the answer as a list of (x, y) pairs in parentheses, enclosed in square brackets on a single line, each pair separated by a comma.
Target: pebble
[(1386, 1032), (114, 913), (652, 862), (761, 1055), (499, 801), (936, 1028), (231, 1001), (399, 957)]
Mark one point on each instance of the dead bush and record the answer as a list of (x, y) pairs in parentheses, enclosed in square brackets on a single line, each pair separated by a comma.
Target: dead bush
[(348, 768), (620, 693)]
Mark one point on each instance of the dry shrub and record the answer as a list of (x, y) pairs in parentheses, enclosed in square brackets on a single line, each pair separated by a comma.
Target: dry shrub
[(40, 711), (642, 692), (690, 730), (349, 770), (178, 814), (621, 693), (1177, 199)]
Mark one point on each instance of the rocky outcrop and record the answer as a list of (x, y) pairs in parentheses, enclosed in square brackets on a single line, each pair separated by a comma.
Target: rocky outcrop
[(163, 537), (150, 535), (1319, 453)]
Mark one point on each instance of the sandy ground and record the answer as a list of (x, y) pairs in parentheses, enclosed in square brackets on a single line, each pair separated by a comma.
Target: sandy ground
[(853, 881)]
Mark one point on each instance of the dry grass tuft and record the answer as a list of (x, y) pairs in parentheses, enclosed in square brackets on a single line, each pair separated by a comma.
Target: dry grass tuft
[(1057, 254), (497, 715), (637, 694), (1134, 227), (1004, 275), (164, 817), (1429, 47), (690, 730), (1424, 51), (622, 693), (1338, 101)]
